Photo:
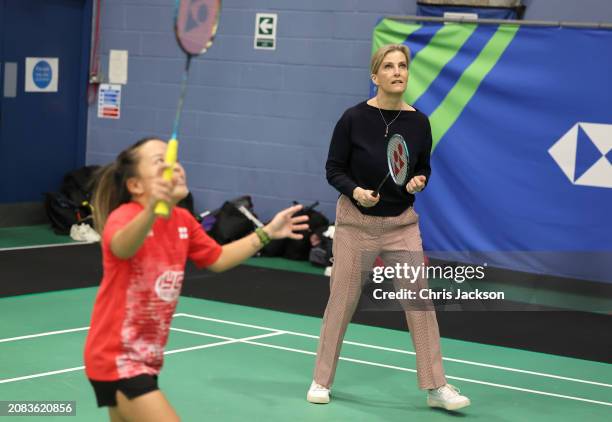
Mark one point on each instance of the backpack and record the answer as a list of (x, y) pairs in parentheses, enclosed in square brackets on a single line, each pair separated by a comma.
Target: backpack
[(62, 212), (230, 223), (321, 255), (299, 249), (71, 205)]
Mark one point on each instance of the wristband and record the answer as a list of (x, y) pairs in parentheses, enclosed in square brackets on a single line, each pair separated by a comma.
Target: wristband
[(263, 236)]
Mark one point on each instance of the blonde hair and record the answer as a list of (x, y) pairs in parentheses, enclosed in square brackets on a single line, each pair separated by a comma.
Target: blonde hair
[(379, 55), (111, 183)]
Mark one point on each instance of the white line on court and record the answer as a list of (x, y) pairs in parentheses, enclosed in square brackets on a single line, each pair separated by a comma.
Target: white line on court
[(229, 340), (371, 346), (49, 333), (200, 333), (52, 245), (72, 330), (41, 374)]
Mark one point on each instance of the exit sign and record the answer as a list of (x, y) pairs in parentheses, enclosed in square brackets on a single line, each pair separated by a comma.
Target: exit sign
[(265, 31)]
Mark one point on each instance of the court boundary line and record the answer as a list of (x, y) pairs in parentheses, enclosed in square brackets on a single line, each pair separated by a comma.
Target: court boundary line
[(48, 333), (40, 374), (49, 245), (389, 349)]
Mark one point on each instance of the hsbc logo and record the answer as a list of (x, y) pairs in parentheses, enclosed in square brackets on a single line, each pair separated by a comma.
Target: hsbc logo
[(584, 154)]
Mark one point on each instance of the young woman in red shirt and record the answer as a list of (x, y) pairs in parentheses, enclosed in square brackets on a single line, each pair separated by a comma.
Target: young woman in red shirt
[(144, 259)]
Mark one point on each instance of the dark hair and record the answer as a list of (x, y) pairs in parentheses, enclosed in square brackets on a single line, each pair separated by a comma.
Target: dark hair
[(111, 189)]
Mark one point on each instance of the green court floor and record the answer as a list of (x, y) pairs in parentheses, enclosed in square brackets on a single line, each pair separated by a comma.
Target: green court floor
[(233, 363), (25, 236)]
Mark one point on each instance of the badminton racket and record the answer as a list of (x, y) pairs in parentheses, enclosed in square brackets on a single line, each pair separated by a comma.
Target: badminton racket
[(195, 26), (397, 161)]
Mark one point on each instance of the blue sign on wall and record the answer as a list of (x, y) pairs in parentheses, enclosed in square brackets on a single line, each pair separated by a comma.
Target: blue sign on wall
[(42, 74)]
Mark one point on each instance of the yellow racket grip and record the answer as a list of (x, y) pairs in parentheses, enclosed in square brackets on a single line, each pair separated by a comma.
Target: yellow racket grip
[(162, 208)]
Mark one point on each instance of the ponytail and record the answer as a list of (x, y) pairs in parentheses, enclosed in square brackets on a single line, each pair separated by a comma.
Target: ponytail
[(111, 187)]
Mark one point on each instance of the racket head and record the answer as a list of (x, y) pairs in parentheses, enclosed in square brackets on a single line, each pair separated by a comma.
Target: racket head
[(195, 24), (398, 159)]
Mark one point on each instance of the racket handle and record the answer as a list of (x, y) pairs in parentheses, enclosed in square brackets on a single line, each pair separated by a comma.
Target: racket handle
[(162, 208), (377, 191)]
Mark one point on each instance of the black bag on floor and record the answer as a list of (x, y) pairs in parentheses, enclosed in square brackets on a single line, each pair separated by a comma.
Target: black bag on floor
[(275, 248), (321, 254), (300, 249), (230, 223), (62, 212), (71, 205)]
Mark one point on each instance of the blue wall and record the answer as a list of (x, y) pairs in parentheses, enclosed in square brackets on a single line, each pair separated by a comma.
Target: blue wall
[(256, 122)]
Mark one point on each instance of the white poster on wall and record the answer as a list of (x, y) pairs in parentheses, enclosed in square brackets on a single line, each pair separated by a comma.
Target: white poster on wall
[(41, 74), (118, 67)]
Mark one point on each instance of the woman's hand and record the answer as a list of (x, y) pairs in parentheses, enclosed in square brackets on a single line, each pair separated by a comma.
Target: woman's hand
[(159, 189), (416, 184), (284, 224), (365, 198)]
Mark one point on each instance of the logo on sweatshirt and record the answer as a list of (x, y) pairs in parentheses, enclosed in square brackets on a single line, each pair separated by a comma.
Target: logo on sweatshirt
[(168, 285)]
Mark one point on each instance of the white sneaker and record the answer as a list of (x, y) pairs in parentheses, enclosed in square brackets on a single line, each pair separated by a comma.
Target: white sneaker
[(318, 394), (75, 233), (84, 233), (90, 234), (447, 397)]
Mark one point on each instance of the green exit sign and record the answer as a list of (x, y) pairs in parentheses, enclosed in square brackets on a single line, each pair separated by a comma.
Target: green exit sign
[(265, 31)]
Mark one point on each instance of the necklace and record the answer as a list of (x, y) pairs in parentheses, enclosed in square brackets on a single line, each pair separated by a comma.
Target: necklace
[(390, 123)]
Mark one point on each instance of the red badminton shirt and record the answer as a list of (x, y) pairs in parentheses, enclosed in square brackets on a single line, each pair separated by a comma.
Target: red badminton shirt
[(137, 297)]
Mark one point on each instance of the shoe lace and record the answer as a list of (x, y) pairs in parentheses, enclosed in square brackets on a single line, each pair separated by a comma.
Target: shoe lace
[(450, 390), (318, 387)]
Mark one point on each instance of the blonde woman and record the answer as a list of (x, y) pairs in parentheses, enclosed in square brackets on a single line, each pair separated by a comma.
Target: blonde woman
[(368, 225)]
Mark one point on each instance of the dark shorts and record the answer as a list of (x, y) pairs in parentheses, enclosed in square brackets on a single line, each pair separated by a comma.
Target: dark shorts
[(132, 387)]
